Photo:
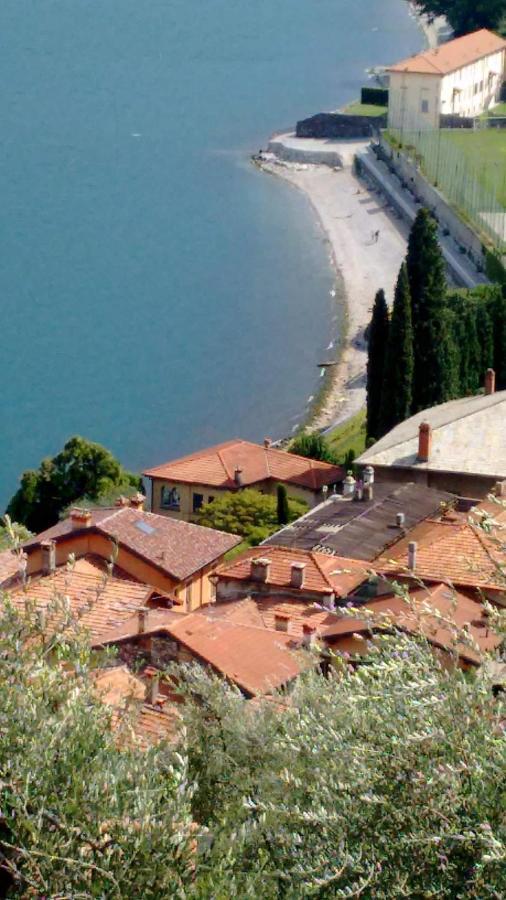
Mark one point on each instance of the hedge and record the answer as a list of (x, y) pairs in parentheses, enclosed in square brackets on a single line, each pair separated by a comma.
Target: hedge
[(374, 96)]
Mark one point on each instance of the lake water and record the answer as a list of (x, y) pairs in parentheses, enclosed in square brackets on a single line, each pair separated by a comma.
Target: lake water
[(159, 293)]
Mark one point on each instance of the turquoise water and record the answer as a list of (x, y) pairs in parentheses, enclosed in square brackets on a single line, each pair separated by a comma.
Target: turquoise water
[(158, 292)]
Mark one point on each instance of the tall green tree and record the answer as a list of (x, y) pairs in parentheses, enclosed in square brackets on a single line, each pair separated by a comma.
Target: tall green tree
[(467, 15), (82, 469), (397, 394), (427, 283), (376, 350), (282, 505)]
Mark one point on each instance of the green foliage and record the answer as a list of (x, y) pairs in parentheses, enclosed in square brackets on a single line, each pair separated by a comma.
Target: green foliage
[(383, 783), (495, 268), (282, 505), (374, 96), (12, 534), (377, 344), (397, 393), (427, 283), (81, 818), (349, 435), (82, 469), (252, 515), (312, 445), (467, 15)]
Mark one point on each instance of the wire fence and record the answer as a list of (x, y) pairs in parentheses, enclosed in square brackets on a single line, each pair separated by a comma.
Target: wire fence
[(469, 168)]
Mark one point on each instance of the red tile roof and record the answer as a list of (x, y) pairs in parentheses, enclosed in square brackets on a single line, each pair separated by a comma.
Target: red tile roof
[(437, 612), (179, 549), (216, 467), (323, 573), (147, 723), (98, 601), (452, 549), (262, 612), (453, 55)]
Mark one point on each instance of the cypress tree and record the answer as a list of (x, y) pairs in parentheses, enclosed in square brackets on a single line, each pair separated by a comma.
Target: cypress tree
[(399, 363), (377, 343), (282, 496), (427, 283)]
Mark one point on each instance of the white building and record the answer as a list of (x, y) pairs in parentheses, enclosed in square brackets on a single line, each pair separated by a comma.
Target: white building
[(460, 78)]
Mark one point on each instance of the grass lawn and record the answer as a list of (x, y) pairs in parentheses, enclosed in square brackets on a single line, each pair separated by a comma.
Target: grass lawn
[(349, 436), (364, 109), (486, 150), (499, 110)]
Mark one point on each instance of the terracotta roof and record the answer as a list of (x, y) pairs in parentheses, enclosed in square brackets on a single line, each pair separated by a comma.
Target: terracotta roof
[(468, 435), (9, 565), (262, 612), (453, 612), (361, 529), (257, 660), (216, 467), (323, 574), (99, 601), (126, 694), (176, 548), (451, 549), (456, 54)]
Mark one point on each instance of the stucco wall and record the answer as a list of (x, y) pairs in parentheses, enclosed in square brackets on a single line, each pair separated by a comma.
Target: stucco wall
[(464, 485)]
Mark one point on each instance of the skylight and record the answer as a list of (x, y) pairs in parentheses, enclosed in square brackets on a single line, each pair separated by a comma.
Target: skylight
[(143, 526)]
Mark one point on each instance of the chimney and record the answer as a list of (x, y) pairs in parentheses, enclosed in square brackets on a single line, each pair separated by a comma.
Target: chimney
[(152, 692), (48, 557), (500, 489), (400, 520), (238, 476), (368, 491), (297, 574), (142, 618), (359, 490), (122, 501), (260, 569), (424, 442), (267, 443), (281, 621), (490, 381), (412, 548), (308, 635), (349, 485), (137, 501), (80, 518), (368, 475)]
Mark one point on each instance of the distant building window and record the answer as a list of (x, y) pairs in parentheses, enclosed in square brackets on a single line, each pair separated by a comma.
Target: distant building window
[(170, 498), (198, 500), (425, 106), (476, 88), (481, 87)]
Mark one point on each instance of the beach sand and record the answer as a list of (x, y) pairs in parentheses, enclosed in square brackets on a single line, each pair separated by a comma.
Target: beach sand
[(350, 214)]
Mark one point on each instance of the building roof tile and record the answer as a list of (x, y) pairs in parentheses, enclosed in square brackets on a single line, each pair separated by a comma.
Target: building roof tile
[(216, 467), (179, 549), (456, 54)]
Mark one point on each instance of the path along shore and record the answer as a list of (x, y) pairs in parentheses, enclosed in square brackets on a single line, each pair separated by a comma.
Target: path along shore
[(350, 216)]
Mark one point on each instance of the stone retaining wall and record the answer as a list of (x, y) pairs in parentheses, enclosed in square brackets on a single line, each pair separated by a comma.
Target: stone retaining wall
[(339, 125)]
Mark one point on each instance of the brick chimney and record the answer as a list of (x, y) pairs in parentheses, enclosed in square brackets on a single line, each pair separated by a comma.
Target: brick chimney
[(281, 621), (297, 574), (48, 557), (424, 442), (260, 569), (137, 501), (80, 518), (267, 443), (490, 381)]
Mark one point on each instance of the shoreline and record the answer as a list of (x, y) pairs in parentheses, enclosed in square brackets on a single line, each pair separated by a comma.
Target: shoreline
[(348, 214)]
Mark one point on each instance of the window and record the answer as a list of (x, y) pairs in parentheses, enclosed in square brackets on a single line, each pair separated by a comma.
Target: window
[(425, 106), (198, 500), (210, 498), (169, 498)]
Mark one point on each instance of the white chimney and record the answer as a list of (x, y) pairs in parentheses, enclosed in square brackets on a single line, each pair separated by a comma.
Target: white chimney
[(260, 569), (142, 618), (48, 551), (297, 574), (412, 549), (400, 520), (308, 635), (368, 475), (349, 485)]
